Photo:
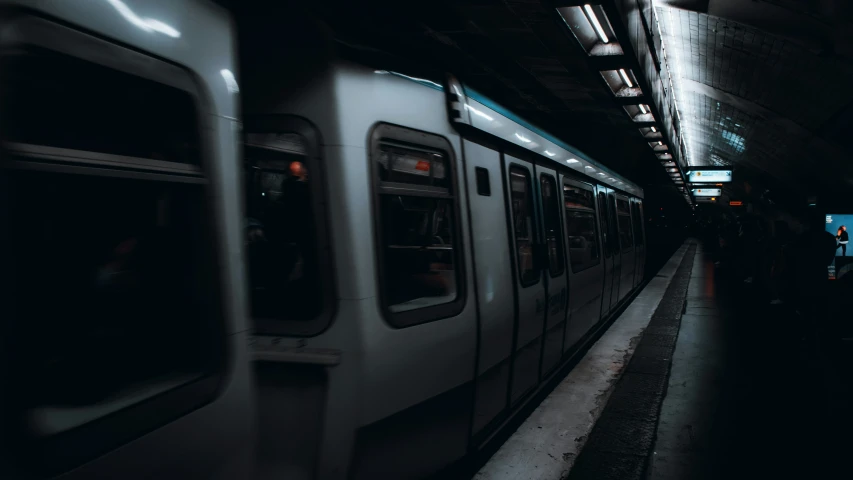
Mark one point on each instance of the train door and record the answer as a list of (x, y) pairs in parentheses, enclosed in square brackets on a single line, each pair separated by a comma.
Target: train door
[(554, 268), (626, 246), (585, 265), (613, 235), (606, 244), (639, 240), (531, 299), (490, 244)]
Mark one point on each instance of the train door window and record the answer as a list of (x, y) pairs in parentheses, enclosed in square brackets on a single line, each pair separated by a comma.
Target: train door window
[(581, 228), (522, 217), (553, 237), (420, 271), (112, 293), (623, 213), (281, 232), (638, 223), (484, 188), (613, 234), (605, 223)]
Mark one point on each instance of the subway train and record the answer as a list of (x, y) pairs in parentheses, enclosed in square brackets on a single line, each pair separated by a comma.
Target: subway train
[(301, 266)]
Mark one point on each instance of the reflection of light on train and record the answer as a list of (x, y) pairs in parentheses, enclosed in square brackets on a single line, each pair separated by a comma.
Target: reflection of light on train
[(403, 276)]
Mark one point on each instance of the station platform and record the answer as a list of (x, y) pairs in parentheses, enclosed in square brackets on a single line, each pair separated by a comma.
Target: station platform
[(696, 379)]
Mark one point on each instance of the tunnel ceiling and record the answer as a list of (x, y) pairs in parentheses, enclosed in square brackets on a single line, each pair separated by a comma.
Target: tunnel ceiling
[(763, 86)]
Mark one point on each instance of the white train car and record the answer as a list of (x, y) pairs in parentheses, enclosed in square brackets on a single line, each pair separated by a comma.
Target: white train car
[(421, 261), (125, 334)]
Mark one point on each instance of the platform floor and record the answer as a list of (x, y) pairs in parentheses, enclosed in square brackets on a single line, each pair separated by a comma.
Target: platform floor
[(716, 388)]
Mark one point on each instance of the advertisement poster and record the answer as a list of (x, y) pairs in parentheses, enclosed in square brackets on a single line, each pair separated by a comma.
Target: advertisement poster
[(838, 226)]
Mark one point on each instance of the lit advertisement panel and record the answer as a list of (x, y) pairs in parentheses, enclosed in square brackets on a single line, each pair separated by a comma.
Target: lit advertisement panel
[(707, 192), (709, 176), (838, 226)]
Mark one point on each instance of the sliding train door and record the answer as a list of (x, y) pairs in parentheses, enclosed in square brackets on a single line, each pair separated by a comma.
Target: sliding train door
[(615, 250), (553, 268), (495, 285), (639, 240), (607, 246), (626, 246), (530, 286), (586, 267)]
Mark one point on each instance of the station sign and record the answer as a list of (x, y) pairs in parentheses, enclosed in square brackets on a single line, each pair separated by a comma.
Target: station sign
[(707, 192), (706, 199), (709, 176), (735, 203)]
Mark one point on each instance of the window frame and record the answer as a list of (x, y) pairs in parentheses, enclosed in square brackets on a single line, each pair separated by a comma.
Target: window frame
[(405, 137), (281, 123), (66, 451), (598, 240), (534, 228), (627, 201), (637, 217), (559, 227), (604, 214)]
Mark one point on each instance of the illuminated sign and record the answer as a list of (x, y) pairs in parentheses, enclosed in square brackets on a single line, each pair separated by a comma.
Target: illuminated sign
[(735, 203), (706, 199), (707, 192), (709, 176)]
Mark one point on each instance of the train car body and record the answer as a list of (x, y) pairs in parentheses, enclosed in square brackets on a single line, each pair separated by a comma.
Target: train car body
[(451, 259), (125, 347)]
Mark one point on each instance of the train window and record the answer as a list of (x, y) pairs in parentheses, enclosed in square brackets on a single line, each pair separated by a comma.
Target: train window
[(88, 109), (605, 224), (637, 216), (281, 240), (522, 217), (484, 188), (113, 291), (420, 258), (581, 228), (613, 227), (553, 239), (626, 238)]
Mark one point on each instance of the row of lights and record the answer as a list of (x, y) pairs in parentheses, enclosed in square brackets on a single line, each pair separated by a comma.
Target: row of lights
[(620, 81)]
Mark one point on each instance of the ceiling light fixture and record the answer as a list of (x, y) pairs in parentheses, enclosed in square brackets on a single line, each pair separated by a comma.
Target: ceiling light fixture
[(643, 109), (625, 78), (654, 130), (594, 21)]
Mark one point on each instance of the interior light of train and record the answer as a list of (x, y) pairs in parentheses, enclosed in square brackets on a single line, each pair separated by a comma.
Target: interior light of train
[(572, 160), (522, 138), (654, 130), (549, 153), (643, 109), (595, 24), (146, 24), (478, 112), (625, 78)]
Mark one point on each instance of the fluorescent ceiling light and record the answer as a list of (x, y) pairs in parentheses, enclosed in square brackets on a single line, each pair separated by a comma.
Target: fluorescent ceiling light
[(643, 109), (625, 78), (660, 143), (594, 21), (654, 130)]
